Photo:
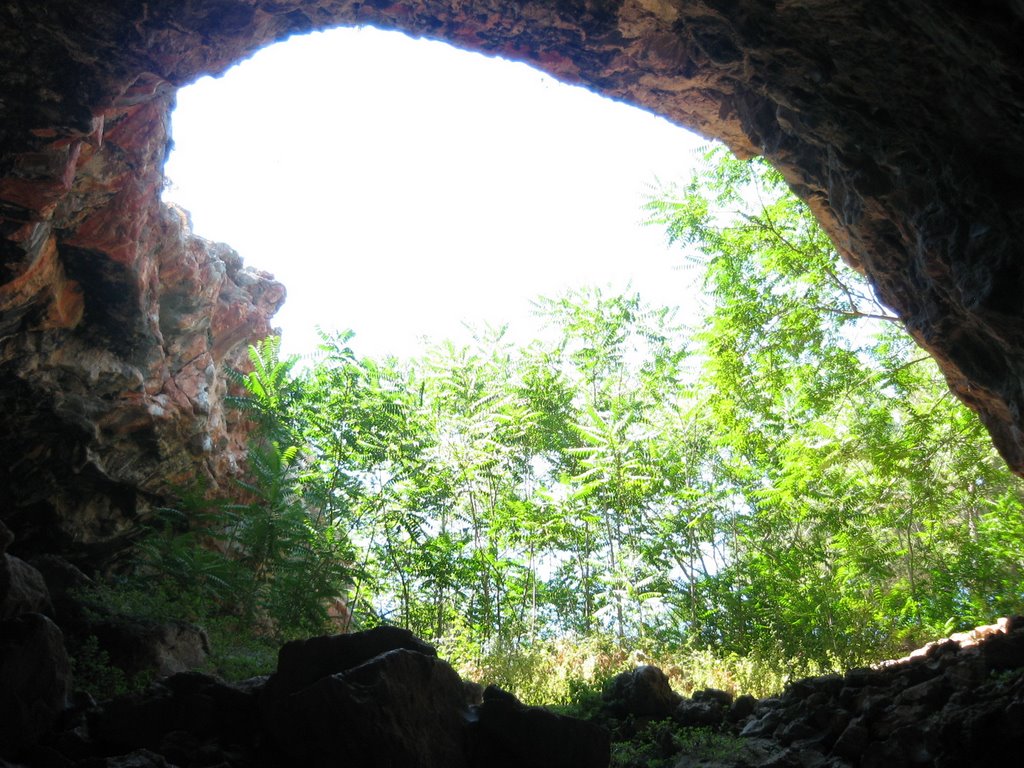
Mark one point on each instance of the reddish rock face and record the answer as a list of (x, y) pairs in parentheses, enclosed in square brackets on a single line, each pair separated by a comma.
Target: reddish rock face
[(898, 122), (117, 324)]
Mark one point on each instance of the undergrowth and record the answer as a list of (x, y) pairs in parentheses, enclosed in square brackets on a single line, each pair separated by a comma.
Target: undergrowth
[(663, 743), (569, 673), (239, 648)]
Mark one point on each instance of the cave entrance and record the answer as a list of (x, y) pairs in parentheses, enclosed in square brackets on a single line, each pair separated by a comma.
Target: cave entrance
[(761, 528), (400, 187), (901, 128)]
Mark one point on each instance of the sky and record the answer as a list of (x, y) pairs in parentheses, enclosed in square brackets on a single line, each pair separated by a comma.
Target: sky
[(402, 188)]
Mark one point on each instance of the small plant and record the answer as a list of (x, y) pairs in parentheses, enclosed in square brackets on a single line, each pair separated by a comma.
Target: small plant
[(237, 651), (585, 700), (566, 673), (93, 672), (707, 743)]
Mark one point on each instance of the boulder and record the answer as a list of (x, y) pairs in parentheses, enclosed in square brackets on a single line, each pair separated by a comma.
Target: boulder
[(742, 708), (63, 580), (34, 679), (400, 708), (304, 662), (202, 707), (699, 714), (706, 708), (144, 646), (644, 692), (22, 589), (509, 734)]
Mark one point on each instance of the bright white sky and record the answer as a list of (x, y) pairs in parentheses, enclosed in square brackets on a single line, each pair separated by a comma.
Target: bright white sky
[(399, 187)]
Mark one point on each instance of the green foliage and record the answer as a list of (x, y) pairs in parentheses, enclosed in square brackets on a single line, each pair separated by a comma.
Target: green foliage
[(92, 671), (787, 489), (262, 561), (240, 647), (663, 744), (853, 479), (237, 652)]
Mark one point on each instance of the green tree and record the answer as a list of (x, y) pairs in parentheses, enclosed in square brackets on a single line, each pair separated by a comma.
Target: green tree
[(847, 467)]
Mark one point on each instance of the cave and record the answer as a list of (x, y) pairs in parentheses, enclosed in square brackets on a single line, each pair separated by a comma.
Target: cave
[(898, 122)]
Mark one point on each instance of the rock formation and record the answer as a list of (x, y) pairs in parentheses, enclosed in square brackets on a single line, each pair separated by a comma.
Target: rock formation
[(383, 698), (954, 702), (117, 324), (34, 668), (370, 700)]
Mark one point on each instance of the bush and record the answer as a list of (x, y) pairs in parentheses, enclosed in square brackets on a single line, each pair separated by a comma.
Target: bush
[(93, 672), (661, 744)]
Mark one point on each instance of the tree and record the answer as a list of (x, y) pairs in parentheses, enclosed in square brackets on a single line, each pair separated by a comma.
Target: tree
[(842, 453)]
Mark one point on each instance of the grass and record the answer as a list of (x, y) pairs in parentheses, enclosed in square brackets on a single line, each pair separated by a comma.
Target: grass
[(564, 672), (663, 743)]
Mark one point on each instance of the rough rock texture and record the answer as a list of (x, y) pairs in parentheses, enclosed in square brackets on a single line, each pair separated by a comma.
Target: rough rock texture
[(22, 589), (300, 663), (34, 668), (955, 702), (645, 692), (403, 708), (508, 734), (949, 706), (898, 120), (138, 646), (115, 326)]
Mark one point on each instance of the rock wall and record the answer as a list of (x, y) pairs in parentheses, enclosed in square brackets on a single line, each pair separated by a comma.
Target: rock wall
[(898, 121), (117, 324)]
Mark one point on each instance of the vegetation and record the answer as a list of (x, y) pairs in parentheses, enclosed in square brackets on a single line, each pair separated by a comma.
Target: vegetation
[(661, 744), (785, 489)]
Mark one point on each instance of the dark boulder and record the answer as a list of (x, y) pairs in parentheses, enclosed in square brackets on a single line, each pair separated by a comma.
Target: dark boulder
[(644, 692), (148, 647), (192, 703), (34, 679), (399, 708), (705, 708), (742, 708), (304, 662), (509, 734), (65, 582), (22, 589)]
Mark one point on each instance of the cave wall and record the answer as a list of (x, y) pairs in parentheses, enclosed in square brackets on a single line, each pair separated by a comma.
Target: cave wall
[(116, 325), (897, 120)]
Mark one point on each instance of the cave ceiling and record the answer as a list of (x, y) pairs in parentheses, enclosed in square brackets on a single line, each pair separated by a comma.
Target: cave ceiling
[(898, 121)]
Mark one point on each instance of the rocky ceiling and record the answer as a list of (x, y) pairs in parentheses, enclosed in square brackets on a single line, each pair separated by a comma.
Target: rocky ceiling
[(899, 121)]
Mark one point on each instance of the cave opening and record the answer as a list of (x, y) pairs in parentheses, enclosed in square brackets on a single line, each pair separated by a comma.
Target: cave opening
[(867, 110), (401, 187), (307, 200)]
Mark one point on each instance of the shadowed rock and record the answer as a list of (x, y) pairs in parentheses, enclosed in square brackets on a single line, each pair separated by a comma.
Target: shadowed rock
[(34, 678)]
